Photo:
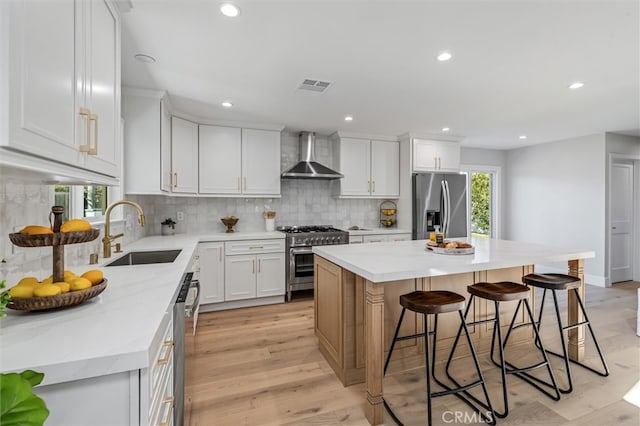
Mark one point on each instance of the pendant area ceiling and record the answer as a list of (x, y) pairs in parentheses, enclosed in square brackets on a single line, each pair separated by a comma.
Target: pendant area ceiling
[(509, 75)]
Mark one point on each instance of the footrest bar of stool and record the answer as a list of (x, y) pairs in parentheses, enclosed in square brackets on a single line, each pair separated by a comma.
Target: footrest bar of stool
[(571, 327), (515, 370), (413, 336), (533, 381), (526, 324), (481, 322), (449, 390), (463, 390), (593, 370)]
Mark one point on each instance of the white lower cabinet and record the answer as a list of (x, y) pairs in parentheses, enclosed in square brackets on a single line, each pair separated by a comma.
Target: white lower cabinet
[(254, 269), (211, 268), (378, 238)]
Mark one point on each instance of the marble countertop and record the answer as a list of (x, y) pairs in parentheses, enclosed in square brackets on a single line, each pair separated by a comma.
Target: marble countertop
[(112, 332), (409, 259)]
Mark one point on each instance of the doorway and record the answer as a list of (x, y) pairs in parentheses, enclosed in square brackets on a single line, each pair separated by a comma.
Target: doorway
[(623, 211), (482, 202)]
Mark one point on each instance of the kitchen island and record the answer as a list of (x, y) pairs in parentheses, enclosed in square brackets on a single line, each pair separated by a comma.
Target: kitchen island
[(356, 301)]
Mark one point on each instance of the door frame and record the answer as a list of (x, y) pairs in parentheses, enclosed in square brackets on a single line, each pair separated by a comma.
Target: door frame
[(615, 158)]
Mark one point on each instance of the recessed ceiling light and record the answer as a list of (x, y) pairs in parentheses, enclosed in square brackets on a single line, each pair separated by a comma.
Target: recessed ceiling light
[(144, 58), (522, 136), (348, 118), (230, 10), (445, 129), (444, 56), (576, 85), (227, 104)]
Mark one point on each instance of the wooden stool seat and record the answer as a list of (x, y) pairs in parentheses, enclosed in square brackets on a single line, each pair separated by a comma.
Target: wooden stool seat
[(432, 302), (552, 281), (499, 292)]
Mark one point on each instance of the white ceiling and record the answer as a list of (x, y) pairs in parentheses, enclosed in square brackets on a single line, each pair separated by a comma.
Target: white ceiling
[(512, 64)]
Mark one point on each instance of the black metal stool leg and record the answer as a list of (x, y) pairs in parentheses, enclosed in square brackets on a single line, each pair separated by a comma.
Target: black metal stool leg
[(564, 356), (393, 342), (497, 329), (426, 357), (595, 341)]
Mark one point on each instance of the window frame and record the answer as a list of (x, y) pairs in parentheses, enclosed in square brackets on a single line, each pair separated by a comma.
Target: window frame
[(76, 202), (495, 172)]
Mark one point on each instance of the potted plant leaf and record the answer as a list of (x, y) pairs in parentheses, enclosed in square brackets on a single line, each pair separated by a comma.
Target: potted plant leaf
[(18, 404), (168, 226)]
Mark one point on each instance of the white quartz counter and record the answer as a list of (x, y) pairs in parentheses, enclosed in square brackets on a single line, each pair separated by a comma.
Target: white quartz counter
[(409, 259), (112, 332)]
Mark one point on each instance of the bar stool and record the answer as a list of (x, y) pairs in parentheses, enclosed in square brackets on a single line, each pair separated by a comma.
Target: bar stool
[(505, 292), (438, 302), (558, 282)]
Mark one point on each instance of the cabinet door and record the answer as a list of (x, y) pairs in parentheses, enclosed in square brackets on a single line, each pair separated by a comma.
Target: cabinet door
[(184, 155), (260, 162), (220, 153), (424, 158), (448, 154), (102, 86), (399, 237), (41, 85), (211, 260), (271, 276), (165, 147), (240, 277), (355, 165), (385, 169)]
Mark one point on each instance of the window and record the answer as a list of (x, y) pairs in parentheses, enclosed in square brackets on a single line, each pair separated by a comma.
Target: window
[(483, 201), (89, 201)]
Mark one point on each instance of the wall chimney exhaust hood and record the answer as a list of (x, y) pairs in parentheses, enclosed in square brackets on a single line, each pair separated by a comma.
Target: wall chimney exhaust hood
[(308, 168)]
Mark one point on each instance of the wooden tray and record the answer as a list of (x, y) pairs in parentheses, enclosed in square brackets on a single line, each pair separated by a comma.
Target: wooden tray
[(59, 301), (55, 239), (453, 251)]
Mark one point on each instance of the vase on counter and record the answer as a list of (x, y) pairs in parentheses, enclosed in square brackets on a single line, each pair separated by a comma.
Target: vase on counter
[(269, 221)]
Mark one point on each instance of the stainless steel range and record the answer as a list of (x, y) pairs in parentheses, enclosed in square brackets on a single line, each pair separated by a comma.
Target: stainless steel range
[(299, 258)]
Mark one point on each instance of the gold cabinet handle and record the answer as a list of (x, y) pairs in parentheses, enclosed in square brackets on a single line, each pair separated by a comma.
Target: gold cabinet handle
[(255, 247), (169, 400), (175, 179), (165, 359), (93, 150), (85, 147)]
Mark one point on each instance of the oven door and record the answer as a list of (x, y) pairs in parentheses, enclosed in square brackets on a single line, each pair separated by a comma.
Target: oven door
[(300, 267)]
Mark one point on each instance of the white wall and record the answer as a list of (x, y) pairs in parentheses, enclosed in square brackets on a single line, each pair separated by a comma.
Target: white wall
[(555, 195)]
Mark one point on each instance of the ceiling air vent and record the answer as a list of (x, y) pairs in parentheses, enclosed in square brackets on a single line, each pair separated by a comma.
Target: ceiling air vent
[(314, 85)]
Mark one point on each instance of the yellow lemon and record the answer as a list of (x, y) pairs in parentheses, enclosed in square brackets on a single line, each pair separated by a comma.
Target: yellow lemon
[(64, 287), (21, 291), (80, 284), (45, 290), (75, 225), (28, 281), (35, 230), (68, 276), (48, 280), (94, 275)]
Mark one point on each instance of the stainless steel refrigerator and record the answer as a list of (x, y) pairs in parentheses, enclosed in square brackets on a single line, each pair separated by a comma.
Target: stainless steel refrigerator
[(439, 199)]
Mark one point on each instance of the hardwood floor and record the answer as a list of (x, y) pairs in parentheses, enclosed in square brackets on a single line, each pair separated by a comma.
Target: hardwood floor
[(261, 366)]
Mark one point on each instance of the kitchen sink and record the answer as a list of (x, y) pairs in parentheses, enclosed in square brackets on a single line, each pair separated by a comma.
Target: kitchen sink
[(146, 257)]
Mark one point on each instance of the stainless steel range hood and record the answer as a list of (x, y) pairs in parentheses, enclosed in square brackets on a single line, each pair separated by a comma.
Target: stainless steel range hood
[(308, 168)]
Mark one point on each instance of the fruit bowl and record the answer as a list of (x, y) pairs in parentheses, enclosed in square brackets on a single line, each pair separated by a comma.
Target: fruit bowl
[(230, 223), (54, 239), (58, 301)]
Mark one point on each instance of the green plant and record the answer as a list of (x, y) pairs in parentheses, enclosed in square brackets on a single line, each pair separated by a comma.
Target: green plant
[(18, 404), (5, 297), (169, 222)]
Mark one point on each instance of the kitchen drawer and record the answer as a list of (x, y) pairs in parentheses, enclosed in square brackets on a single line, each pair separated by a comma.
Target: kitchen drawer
[(162, 361), (162, 406), (355, 239), (253, 247)]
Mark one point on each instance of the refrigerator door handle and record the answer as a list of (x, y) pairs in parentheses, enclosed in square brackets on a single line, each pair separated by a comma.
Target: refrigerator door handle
[(447, 207), (443, 207)]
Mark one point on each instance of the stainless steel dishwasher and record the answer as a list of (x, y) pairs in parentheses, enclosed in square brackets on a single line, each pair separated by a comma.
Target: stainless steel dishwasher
[(185, 312)]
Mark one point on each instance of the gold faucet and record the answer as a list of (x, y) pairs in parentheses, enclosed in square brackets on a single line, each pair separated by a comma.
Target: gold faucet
[(106, 241)]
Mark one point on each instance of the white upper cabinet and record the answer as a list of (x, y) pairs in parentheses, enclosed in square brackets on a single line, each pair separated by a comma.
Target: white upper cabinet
[(260, 162), (64, 82), (371, 168), (432, 155), (184, 156), (239, 161), (220, 160)]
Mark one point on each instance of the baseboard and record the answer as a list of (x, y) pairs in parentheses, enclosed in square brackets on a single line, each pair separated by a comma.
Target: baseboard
[(246, 303)]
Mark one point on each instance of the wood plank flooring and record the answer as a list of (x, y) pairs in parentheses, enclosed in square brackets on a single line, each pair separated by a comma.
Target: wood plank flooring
[(261, 366)]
